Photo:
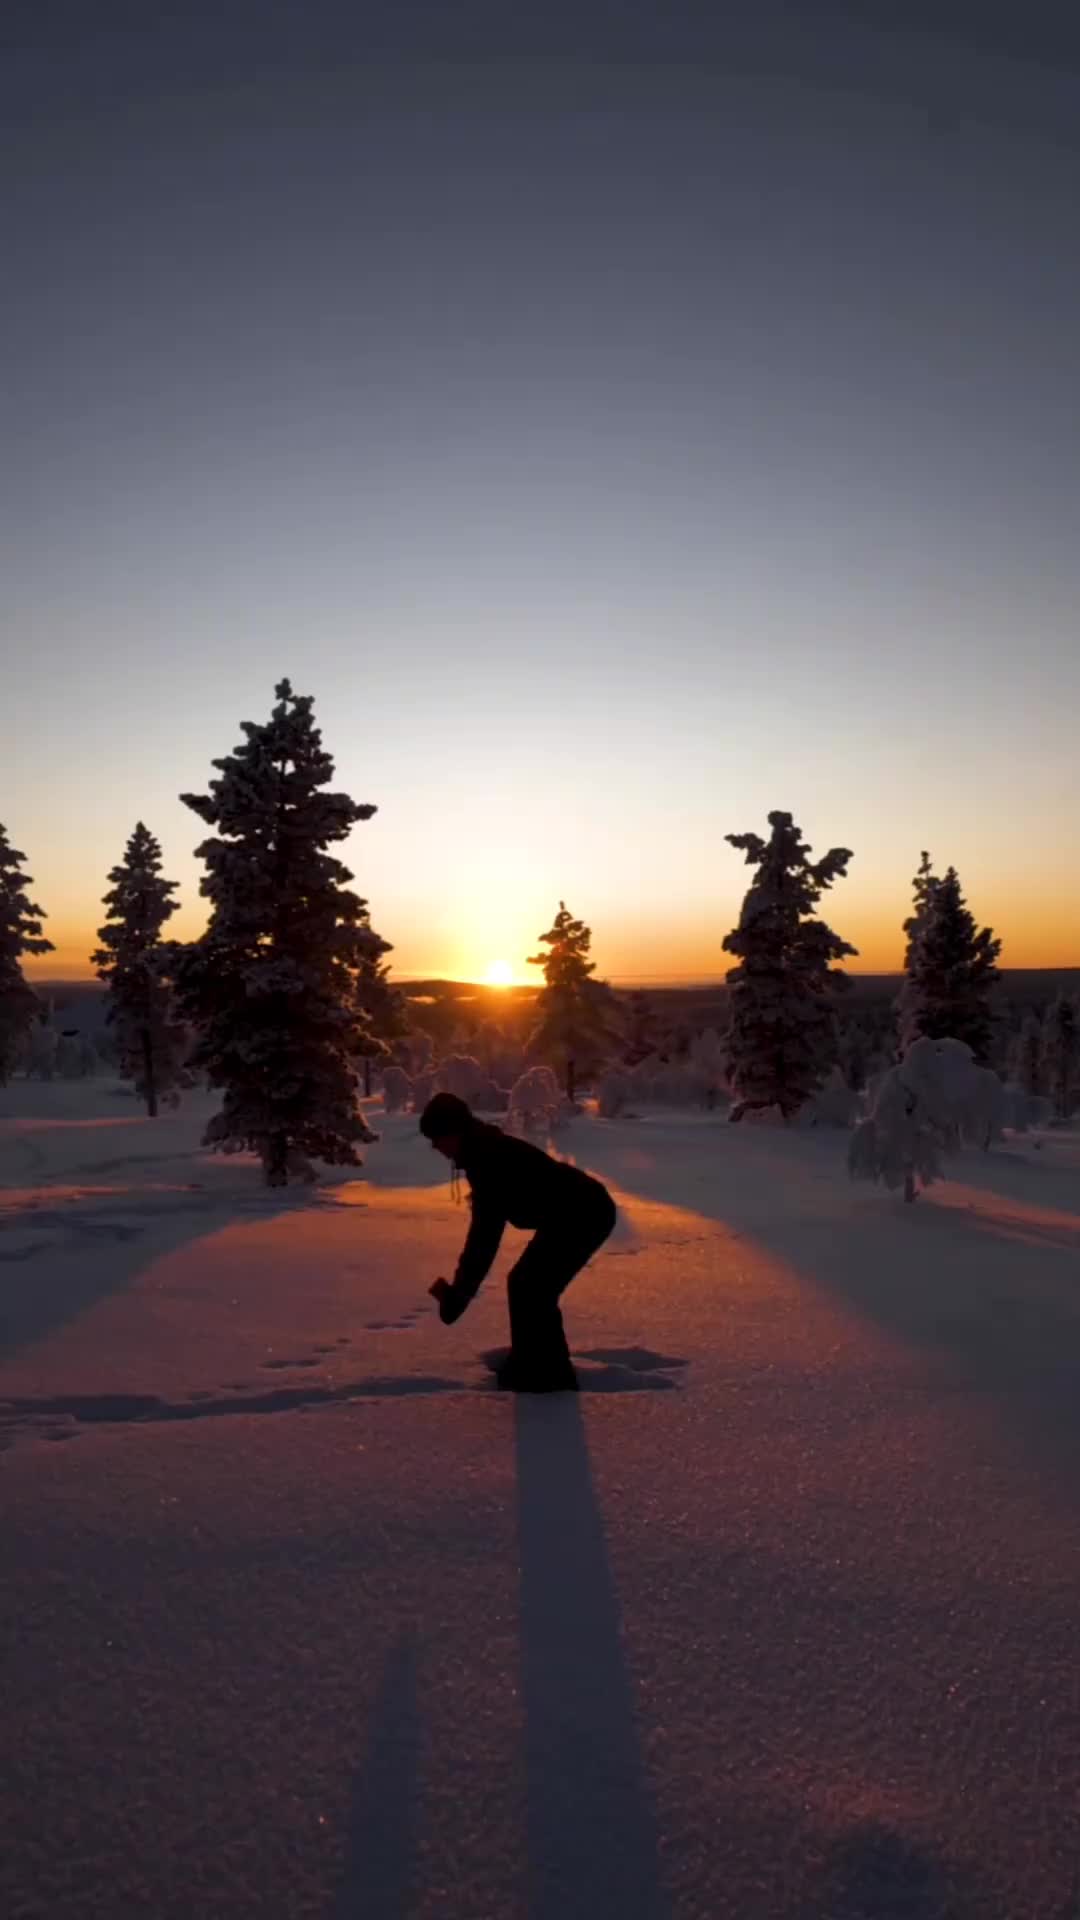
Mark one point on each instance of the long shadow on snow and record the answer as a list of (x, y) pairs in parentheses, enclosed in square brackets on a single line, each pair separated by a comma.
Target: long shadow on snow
[(103, 1256), (592, 1846), (381, 1841), (947, 1279)]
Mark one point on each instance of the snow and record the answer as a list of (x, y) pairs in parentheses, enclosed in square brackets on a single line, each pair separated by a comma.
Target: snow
[(775, 1620)]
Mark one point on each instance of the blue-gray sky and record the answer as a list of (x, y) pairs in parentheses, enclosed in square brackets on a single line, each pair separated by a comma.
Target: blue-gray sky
[(623, 420)]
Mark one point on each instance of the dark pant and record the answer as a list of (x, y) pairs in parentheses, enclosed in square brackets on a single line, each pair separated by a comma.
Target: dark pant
[(547, 1266)]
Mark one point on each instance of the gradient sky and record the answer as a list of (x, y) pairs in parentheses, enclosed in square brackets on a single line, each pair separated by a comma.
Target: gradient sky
[(623, 421)]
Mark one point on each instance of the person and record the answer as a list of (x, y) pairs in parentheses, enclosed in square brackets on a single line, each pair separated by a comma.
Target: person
[(514, 1183)]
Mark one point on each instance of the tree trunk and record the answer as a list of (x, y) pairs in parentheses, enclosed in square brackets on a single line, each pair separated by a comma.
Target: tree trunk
[(277, 1160), (570, 1081), (149, 1084), (367, 1076)]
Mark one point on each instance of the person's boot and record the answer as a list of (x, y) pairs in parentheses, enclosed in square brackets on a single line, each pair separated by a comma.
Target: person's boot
[(517, 1376)]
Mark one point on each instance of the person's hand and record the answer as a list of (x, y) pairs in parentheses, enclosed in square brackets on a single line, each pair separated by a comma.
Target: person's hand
[(451, 1305)]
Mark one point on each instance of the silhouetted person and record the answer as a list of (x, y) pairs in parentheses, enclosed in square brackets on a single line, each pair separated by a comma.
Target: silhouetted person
[(514, 1183)]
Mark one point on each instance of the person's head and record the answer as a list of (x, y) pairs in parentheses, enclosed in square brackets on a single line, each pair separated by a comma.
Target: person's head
[(446, 1121)]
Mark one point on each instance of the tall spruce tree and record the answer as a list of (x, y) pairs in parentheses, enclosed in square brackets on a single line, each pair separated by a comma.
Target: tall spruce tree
[(1061, 1054), (781, 1039), (271, 985), (579, 1016), (950, 970), (20, 932), (135, 963)]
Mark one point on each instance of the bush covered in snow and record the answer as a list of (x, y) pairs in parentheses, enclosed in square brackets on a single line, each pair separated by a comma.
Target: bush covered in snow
[(836, 1104), (423, 1089), (462, 1076), (708, 1065), (490, 1098), (613, 1094), (70, 1063), (40, 1051), (674, 1083), (534, 1101), (1022, 1110), (936, 1099), (415, 1051), (423, 1086), (397, 1089)]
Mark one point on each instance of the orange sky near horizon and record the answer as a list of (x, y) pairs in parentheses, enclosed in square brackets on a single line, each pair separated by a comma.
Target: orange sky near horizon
[(1038, 930), (465, 874)]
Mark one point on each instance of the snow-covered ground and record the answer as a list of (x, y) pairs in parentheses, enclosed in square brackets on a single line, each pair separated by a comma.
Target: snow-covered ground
[(776, 1621)]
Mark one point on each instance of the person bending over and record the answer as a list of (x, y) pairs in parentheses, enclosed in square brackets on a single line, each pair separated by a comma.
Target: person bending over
[(513, 1183)]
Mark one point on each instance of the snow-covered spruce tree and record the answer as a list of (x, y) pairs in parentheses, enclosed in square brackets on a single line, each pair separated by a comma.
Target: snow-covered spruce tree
[(781, 1038), (271, 985), (379, 1005), (20, 932), (1061, 1054), (949, 967), (135, 963), (1026, 1064), (579, 1016)]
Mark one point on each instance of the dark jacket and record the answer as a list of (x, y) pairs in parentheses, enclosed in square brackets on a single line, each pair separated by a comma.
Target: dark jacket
[(515, 1184)]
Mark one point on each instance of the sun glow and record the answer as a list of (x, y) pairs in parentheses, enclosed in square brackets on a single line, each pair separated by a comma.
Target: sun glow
[(500, 974)]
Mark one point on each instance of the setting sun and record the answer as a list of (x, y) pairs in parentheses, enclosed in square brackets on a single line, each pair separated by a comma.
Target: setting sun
[(500, 974)]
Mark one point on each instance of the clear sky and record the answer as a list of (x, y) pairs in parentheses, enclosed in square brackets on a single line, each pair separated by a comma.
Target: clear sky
[(623, 421)]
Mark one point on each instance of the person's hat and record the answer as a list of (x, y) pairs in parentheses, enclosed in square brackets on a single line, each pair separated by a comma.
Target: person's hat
[(445, 1114)]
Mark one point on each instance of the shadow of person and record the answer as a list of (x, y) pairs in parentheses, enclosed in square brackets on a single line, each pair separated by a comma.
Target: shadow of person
[(592, 1844), (874, 1873), (381, 1840)]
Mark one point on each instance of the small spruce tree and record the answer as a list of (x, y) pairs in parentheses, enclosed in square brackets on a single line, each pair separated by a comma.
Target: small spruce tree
[(380, 1006), (1026, 1064), (271, 985), (135, 964), (950, 970), (1061, 1054), (853, 1054), (20, 932), (781, 1039), (578, 1023), (644, 1034)]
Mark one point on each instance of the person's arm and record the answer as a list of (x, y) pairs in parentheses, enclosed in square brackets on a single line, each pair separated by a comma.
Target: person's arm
[(481, 1246)]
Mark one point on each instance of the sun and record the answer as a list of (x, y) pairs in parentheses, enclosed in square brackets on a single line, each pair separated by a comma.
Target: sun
[(500, 974)]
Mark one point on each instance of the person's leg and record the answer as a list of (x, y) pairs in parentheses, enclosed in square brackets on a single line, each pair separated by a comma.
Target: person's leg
[(538, 1349)]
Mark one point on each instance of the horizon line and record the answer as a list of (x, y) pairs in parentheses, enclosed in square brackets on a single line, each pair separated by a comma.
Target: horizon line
[(671, 980)]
